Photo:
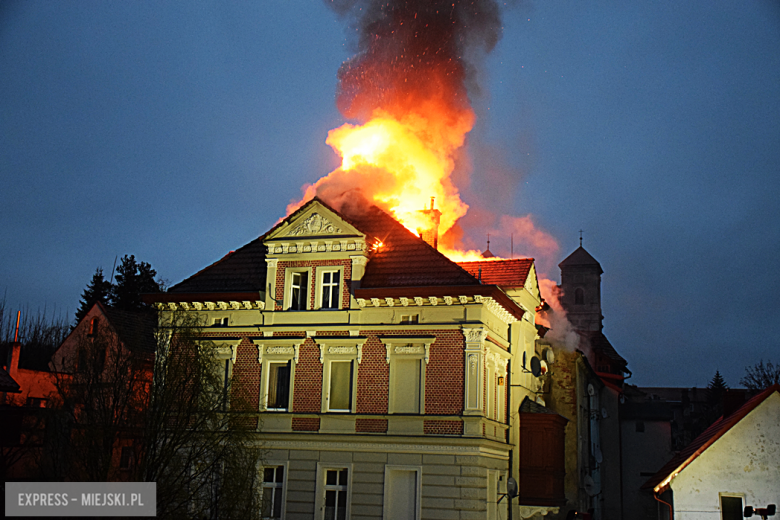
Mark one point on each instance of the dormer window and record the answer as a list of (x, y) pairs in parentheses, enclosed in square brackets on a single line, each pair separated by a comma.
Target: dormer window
[(579, 296), (298, 291), (330, 291)]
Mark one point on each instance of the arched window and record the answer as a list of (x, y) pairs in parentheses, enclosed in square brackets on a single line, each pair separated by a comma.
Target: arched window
[(579, 296), (93, 326)]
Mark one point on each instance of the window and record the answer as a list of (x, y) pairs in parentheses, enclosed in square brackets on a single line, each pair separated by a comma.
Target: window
[(579, 296), (731, 507), (36, 402), (339, 398), (407, 385), (93, 326), (336, 488), (221, 322), (330, 290), (126, 458), (278, 388), (298, 291), (273, 492), (410, 319), (402, 492)]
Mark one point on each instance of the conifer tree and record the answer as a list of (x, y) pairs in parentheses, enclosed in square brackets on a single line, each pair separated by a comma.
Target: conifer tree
[(715, 390), (98, 290), (132, 280)]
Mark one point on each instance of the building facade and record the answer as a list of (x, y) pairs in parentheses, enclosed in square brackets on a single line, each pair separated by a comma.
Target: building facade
[(387, 378)]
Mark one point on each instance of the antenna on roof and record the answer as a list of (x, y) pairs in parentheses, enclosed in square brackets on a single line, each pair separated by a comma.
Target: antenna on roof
[(580, 238), (512, 245), (488, 242), (432, 199)]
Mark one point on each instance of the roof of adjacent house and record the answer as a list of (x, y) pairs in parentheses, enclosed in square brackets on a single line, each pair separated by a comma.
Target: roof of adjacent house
[(7, 383), (599, 344), (661, 480), (504, 273), (134, 328)]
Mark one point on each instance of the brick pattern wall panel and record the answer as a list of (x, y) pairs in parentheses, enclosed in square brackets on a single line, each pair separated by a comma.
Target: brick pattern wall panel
[(373, 378), (314, 264), (307, 396), (305, 424), (436, 427), (371, 425), (444, 385)]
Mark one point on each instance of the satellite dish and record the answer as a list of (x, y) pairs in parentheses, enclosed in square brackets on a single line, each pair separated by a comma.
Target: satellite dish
[(598, 455), (604, 413), (511, 487), (590, 487), (591, 390), (622, 398), (543, 364), (536, 366), (549, 356)]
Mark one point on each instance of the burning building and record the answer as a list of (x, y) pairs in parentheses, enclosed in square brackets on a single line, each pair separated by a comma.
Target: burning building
[(386, 377)]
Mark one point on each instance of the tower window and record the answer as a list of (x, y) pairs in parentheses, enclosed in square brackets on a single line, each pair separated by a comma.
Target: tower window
[(579, 296)]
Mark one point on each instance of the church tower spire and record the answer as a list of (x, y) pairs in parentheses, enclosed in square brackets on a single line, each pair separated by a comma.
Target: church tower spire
[(581, 288)]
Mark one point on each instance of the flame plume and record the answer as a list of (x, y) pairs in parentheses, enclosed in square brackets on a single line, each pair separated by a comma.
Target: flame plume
[(407, 87)]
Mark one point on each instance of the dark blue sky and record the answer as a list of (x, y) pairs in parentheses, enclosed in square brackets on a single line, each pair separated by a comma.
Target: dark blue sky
[(178, 131)]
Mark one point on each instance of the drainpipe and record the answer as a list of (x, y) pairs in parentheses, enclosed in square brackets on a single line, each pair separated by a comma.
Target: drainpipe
[(671, 513)]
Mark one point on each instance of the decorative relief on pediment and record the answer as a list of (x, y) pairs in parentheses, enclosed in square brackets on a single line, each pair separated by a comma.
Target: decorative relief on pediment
[(279, 350), (341, 350), (410, 349), (316, 224)]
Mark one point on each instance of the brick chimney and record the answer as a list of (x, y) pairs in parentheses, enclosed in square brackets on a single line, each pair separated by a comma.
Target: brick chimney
[(13, 366), (431, 235)]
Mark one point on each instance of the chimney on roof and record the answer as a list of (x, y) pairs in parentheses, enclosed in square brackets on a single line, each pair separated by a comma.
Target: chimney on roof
[(13, 366), (431, 234)]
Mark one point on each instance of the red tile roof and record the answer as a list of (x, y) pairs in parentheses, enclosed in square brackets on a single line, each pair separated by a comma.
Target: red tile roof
[(704, 441), (505, 273)]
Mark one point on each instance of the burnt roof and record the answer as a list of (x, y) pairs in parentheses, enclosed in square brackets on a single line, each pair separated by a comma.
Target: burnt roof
[(504, 273), (404, 260)]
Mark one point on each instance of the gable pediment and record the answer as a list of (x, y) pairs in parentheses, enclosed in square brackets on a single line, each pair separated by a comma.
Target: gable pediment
[(314, 220)]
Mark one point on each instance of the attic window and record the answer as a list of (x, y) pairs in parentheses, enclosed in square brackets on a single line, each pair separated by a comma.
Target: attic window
[(409, 319), (93, 326), (579, 296)]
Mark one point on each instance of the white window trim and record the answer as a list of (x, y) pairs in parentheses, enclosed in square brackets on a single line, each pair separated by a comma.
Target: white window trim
[(732, 495), (321, 270), (339, 348), (319, 497), (288, 272), (276, 350), (407, 347), (285, 464), (387, 499)]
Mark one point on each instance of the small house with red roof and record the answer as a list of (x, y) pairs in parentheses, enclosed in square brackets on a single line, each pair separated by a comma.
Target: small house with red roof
[(387, 378), (735, 463)]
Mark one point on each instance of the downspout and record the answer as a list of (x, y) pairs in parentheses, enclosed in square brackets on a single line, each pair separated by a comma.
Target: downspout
[(671, 513), (508, 412)]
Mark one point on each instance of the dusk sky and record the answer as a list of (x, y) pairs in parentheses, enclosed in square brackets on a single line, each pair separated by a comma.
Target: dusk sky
[(178, 131)]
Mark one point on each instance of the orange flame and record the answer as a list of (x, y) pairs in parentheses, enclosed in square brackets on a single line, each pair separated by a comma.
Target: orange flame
[(399, 164)]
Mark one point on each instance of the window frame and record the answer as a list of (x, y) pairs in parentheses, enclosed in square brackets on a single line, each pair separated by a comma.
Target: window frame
[(288, 287), (321, 488), (386, 490), (721, 495), (321, 270), (272, 350), (276, 464), (407, 347), (392, 398), (326, 380), (339, 348)]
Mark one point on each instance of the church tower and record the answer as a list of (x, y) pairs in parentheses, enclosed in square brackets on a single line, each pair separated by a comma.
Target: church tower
[(581, 288)]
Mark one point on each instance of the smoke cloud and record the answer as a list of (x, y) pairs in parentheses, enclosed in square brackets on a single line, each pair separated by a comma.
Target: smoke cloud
[(562, 333)]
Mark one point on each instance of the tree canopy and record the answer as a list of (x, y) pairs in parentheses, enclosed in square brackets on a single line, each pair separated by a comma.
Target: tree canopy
[(761, 376)]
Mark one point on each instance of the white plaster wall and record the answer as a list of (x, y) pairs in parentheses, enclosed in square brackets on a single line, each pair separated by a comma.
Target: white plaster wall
[(746, 460)]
